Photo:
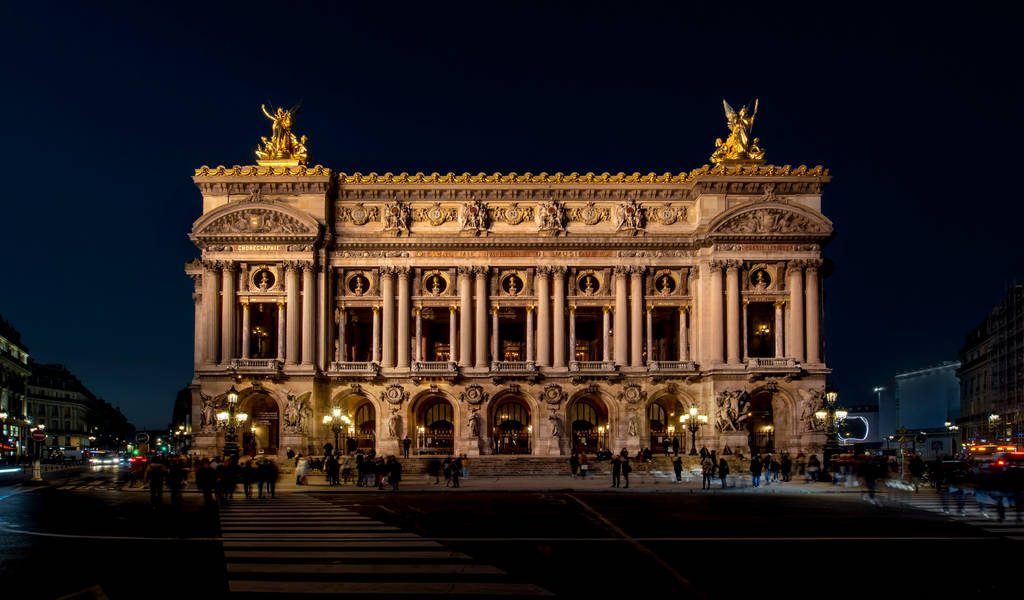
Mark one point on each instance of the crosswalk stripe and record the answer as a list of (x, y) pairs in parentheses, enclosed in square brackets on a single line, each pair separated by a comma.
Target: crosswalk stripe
[(304, 545)]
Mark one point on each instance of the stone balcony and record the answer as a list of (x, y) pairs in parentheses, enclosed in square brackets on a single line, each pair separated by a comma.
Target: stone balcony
[(513, 369), (358, 370), (593, 368), (434, 369), (672, 368), (757, 367), (256, 366)]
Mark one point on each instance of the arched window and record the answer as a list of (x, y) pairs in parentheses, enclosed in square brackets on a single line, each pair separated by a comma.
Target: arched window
[(512, 430), (657, 417), (437, 427)]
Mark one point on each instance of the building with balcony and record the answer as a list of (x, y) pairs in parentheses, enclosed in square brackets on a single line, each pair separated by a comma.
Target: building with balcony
[(71, 414), (992, 374), (14, 374), (510, 313)]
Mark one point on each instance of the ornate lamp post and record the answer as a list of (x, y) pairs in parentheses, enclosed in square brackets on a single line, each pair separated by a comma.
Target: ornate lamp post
[(993, 424), (338, 423), (832, 415), (229, 419), (693, 421)]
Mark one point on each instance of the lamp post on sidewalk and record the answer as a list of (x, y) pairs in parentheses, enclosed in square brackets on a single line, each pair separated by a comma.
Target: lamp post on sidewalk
[(338, 423), (693, 421), (832, 415), (229, 419)]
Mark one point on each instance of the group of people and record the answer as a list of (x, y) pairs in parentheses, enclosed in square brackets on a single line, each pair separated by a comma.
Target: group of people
[(217, 478), (371, 470), (453, 468)]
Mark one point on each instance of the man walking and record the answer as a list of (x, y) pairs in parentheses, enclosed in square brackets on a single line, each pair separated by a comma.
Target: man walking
[(616, 470), (755, 470), (406, 444)]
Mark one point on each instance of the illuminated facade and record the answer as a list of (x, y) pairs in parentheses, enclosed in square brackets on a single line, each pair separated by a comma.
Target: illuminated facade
[(485, 314)]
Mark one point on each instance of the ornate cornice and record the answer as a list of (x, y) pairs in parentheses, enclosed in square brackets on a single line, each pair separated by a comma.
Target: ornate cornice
[(263, 171), (574, 178)]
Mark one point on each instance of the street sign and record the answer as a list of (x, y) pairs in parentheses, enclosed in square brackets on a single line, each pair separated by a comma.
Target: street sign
[(142, 438), (39, 435)]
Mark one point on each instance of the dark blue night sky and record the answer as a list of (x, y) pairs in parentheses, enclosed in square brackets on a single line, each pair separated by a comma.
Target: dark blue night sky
[(108, 109)]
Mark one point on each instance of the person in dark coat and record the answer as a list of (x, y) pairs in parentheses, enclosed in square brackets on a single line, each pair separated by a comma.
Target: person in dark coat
[(675, 446), (755, 470), (786, 466), (206, 480), (574, 465), (616, 470), (266, 474), (677, 466), (456, 468), (406, 444), (176, 476), (332, 469), (723, 470), (156, 475), (248, 477), (394, 473), (626, 469), (434, 470)]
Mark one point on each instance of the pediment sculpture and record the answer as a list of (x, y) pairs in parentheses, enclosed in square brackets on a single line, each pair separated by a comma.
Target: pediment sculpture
[(257, 220), (396, 217), (474, 217), (551, 217), (770, 220)]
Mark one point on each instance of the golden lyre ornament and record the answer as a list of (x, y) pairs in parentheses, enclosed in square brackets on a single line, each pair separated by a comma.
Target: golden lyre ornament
[(739, 147), (283, 149)]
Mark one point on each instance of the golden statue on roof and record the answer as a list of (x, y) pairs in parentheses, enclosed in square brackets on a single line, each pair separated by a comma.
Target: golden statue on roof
[(283, 148), (738, 147)]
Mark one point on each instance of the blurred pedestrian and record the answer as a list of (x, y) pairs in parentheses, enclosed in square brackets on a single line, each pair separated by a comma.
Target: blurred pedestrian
[(755, 470), (723, 470), (616, 470), (677, 466), (456, 471), (574, 465), (626, 469), (706, 470), (406, 444), (156, 476), (394, 473), (584, 465)]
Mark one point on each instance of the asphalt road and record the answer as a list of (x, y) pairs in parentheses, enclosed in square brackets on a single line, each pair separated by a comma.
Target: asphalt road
[(86, 534)]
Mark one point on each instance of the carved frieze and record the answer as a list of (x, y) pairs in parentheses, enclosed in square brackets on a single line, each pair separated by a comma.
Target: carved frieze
[(770, 220), (629, 216), (666, 214), (435, 214), (551, 217), (590, 214), (474, 395), (359, 214), (474, 217), (395, 217), (257, 220), (632, 394), (513, 214)]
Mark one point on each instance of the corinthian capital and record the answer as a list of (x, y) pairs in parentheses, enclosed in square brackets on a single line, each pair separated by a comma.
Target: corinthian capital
[(292, 265), (637, 271), (403, 272), (733, 265), (621, 271), (465, 271), (388, 271), (211, 265), (481, 272), (543, 271), (813, 264), (559, 270), (718, 265)]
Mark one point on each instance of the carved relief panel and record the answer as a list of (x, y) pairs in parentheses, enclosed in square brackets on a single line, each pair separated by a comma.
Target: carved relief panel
[(264, 278), (358, 283)]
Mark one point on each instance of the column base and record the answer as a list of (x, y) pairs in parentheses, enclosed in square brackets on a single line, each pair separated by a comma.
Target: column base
[(470, 446), (553, 447)]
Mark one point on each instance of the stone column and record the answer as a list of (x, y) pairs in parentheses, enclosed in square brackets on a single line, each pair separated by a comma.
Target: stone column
[(743, 331), (198, 349), (387, 300), (693, 329), (606, 351), (465, 317), (481, 317), (245, 329), (403, 318), (227, 318), (375, 350), (715, 322), (529, 333), (294, 313), (684, 334), (813, 296), (452, 334), (542, 283), (795, 335), (281, 329), (650, 331), (621, 327), (308, 320), (636, 312), (558, 317), (495, 342), (779, 352), (572, 333), (211, 302), (419, 334), (732, 314), (342, 322)]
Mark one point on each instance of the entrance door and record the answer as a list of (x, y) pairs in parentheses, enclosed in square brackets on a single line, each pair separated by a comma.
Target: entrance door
[(512, 429), (663, 431), (437, 427), (363, 437), (265, 430), (760, 423), (589, 427)]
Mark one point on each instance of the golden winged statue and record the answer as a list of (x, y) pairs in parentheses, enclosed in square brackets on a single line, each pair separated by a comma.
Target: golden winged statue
[(283, 148), (738, 147)]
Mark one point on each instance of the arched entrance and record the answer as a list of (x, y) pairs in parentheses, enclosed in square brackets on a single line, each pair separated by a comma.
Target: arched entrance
[(588, 420), (760, 423), (512, 429), (363, 436), (264, 433), (435, 431), (665, 432)]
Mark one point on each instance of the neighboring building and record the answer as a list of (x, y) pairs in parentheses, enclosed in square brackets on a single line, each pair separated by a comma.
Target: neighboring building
[(14, 374), (71, 413), (861, 426), (927, 398), (485, 314), (992, 375)]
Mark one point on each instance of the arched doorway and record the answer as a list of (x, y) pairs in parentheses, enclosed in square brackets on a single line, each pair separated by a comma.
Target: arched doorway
[(664, 427), (363, 436), (512, 429), (588, 420), (760, 423), (264, 433), (435, 431)]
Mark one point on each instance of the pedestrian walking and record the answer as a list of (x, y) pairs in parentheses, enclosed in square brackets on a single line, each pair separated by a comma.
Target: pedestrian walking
[(446, 466), (176, 476), (574, 465), (584, 466), (248, 477), (675, 446), (456, 469), (331, 470), (406, 444), (434, 470), (616, 470), (723, 470), (786, 465), (301, 467), (755, 470), (813, 466), (626, 469), (266, 474), (394, 473), (156, 476), (677, 466), (706, 471)]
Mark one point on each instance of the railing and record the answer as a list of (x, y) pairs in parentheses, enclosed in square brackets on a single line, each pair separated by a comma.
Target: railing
[(592, 366), (514, 366), (671, 365), (354, 368), (256, 364), (435, 367), (771, 363)]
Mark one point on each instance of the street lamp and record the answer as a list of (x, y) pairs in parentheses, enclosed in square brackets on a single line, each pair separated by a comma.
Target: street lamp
[(229, 419), (3, 428), (693, 421), (338, 423), (832, 415)]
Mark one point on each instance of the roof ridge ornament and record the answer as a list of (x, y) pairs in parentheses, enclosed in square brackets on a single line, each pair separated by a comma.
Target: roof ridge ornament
[(739, 147), (283, 149)]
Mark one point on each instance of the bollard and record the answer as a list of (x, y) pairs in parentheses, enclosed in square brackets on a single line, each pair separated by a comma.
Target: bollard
[(37, 471)]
